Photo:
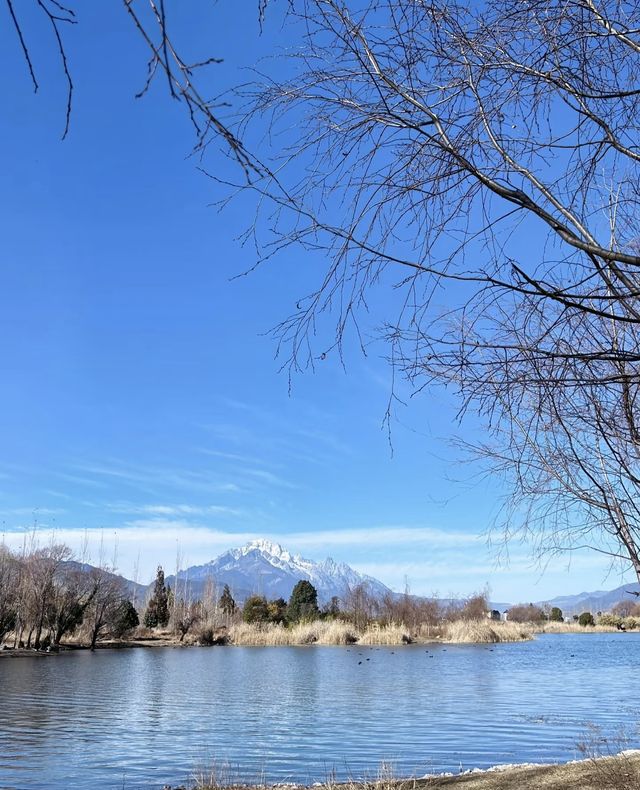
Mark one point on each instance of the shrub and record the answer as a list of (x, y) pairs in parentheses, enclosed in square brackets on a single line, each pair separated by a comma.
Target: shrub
[(277, 610), (474, 608), (585, 619), (256, 610), (206, 636), (555, 615), (610, 620), (125, 618), (526, 613)]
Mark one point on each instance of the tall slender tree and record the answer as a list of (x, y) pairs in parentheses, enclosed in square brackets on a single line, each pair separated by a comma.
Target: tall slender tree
[(157, 612)]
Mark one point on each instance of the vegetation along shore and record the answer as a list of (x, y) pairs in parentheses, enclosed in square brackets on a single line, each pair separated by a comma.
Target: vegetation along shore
[(619, 771), (50, 602)]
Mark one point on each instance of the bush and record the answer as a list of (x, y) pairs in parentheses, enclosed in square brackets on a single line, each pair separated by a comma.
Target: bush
[(256, 610), (526, 613), (610, 620), (125, 618), (277, 610), (555, 615), (585, 619)]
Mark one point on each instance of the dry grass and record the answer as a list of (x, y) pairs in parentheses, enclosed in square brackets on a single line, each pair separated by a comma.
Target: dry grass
[(485, 631), (386, 635), (572, 628), (619, 772), (321, 632), (336, 632)]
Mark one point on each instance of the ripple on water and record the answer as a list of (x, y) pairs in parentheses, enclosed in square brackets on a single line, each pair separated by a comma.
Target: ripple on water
[(142, 718)]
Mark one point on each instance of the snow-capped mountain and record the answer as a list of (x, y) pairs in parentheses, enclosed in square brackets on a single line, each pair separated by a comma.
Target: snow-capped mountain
[(265, 568)]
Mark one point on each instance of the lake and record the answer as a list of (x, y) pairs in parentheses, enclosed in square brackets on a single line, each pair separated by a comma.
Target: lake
[(145, 717)]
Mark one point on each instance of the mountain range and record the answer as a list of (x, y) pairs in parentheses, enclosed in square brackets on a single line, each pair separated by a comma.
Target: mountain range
[(596, 601), (265, 568)]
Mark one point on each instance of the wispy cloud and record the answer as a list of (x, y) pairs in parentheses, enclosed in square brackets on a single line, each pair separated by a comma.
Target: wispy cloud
[(384, 536), (34, 512), (175, 510), (82, 480), (152, 479)]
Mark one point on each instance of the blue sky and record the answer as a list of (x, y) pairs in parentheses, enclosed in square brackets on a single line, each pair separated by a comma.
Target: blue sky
[(142, 405)]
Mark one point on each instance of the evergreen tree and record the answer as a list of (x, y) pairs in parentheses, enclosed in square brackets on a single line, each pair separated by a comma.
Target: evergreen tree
[(125, 618), (256, 610), (556, 615), (303, 604), (278, 610), (157, 613), (227, 604)]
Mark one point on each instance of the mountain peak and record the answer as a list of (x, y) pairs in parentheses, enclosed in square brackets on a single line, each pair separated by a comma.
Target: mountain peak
[(267, 547), (263, 567)]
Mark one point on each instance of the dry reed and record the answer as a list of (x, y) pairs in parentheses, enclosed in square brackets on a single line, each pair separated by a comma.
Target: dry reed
[(391, 634), (321, 632), (573, 628), (485, 631)]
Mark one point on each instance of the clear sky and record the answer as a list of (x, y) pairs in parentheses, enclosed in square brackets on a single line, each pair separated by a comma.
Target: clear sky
[(141, 403)]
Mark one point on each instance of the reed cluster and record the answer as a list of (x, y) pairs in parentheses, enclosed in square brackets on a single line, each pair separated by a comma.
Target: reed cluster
[(320, 632), (485, 632), (337, 632), (574, 628)]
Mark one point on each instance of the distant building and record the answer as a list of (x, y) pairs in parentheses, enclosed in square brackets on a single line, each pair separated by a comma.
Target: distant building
[(494, 614), (505, 615)]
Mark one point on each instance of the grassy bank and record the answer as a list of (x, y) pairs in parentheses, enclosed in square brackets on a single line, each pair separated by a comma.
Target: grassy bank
[(337, 632), (620, 772), (573, 628), (318, 632)]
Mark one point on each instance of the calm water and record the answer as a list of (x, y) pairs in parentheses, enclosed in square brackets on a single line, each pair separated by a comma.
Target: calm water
[(143, 718)]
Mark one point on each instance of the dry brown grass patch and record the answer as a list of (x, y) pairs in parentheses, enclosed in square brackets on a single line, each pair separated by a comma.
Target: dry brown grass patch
[(485, 632)]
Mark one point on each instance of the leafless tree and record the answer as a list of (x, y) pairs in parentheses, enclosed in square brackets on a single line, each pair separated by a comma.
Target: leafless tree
[(481, 160), (478, 166), (106, 601), (71, 593), (360, 604), (9, 577)]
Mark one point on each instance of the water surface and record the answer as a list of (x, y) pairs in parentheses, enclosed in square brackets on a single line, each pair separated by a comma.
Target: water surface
[(143, 718)]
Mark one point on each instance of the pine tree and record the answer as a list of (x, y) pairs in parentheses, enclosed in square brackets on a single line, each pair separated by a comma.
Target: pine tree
[(303, 604), (125, 618), (227, 604), (157, 613)]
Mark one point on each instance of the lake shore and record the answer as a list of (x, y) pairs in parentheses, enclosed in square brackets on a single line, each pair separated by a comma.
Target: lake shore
[(617, 772), (320, 632)]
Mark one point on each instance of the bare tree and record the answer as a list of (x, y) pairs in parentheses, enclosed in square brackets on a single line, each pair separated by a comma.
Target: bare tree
[(9, 576), (360, 604), (105, 605), (71, 593), (419, 149), (427, 146)]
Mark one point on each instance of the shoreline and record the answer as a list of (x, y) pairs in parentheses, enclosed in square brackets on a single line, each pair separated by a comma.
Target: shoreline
[(615, 772), (288, 638)]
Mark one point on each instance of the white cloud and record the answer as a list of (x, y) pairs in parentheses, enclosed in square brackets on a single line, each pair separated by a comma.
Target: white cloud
[(175, 510), (383, 536)]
